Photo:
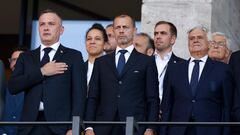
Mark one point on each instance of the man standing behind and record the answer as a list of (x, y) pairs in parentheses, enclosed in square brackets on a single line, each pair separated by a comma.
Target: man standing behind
[(53, 78), (124, 83), (13, 103), (165, 35), (111, 45), (199, 90), (143, 43), (219, 47)]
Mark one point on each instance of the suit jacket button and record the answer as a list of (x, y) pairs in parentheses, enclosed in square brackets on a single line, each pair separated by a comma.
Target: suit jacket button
[(119, 82), (118, 96), (193, 101)]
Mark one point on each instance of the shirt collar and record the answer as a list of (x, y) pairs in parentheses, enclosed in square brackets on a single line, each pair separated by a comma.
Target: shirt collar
[(53, 46), (129, 49), (203, 59), (166, 56)]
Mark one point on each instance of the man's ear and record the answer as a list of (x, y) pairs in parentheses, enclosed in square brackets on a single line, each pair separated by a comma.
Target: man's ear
[(62, 30), (173, 39)]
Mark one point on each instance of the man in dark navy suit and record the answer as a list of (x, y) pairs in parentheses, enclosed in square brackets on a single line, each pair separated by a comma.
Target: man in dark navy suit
[(124, 83), (165, 35), (200, 90), (53, 78)]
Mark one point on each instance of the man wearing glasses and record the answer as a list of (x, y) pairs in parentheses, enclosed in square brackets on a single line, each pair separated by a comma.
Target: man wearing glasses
[(219, 47)]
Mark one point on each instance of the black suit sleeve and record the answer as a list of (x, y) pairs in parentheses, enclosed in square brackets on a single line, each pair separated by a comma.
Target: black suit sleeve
[(152, 93), (235, 64), (79, 86), (228, 96), (20, 80), (167, 101)]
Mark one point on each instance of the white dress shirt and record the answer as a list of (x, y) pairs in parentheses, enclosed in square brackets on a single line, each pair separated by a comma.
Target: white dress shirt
[(51, 55), (126, 55), (161, 67), (201, 66), (89, 71)]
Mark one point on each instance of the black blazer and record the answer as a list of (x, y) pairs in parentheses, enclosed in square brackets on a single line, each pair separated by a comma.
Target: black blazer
[(134, 93), (63, 94), (235, 65)]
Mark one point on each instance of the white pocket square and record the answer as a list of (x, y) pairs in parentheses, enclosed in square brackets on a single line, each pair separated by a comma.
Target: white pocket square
[(135, 71)]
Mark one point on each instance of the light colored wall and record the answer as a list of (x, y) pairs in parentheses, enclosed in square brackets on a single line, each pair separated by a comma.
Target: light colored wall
[(226, 19), (186, 14)]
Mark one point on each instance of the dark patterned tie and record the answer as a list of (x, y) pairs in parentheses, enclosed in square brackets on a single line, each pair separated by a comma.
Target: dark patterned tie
[(121, 61), (45, 58), (195, 76)]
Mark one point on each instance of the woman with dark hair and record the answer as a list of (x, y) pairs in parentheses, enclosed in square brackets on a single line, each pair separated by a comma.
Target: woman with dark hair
[(96, 38)]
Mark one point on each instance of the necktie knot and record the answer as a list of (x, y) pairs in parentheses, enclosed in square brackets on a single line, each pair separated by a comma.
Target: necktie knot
[(47, 50), (122, 51), (45, 58), (197, 61)]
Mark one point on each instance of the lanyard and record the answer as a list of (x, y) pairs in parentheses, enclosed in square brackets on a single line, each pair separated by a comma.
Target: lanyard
[(164, 69)]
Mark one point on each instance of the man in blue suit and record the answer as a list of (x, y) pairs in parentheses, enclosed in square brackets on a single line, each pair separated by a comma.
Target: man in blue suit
[(53, 78), (200, 90), (124, 83)]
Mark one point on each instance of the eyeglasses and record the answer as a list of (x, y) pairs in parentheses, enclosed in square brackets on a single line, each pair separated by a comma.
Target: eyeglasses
[(12, 60), (219, 44)]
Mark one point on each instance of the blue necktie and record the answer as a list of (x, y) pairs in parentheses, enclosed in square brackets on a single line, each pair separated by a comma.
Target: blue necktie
[(195, 76), (121, 61), (45, 58)]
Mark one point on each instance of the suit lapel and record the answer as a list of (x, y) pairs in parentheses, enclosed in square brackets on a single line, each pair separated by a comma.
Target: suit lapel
[(86, 65), (170, 63), (186, 79), (131, 61), (60, 52), (173, 59), (205, 73), (111, 63), (36, 56)]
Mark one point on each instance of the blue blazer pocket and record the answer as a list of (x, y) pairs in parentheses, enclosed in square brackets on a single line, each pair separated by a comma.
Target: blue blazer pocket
[(214, 86)]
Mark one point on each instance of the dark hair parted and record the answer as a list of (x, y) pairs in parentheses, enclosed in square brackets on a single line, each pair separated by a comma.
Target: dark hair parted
[(99, 27), (173, 28)]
